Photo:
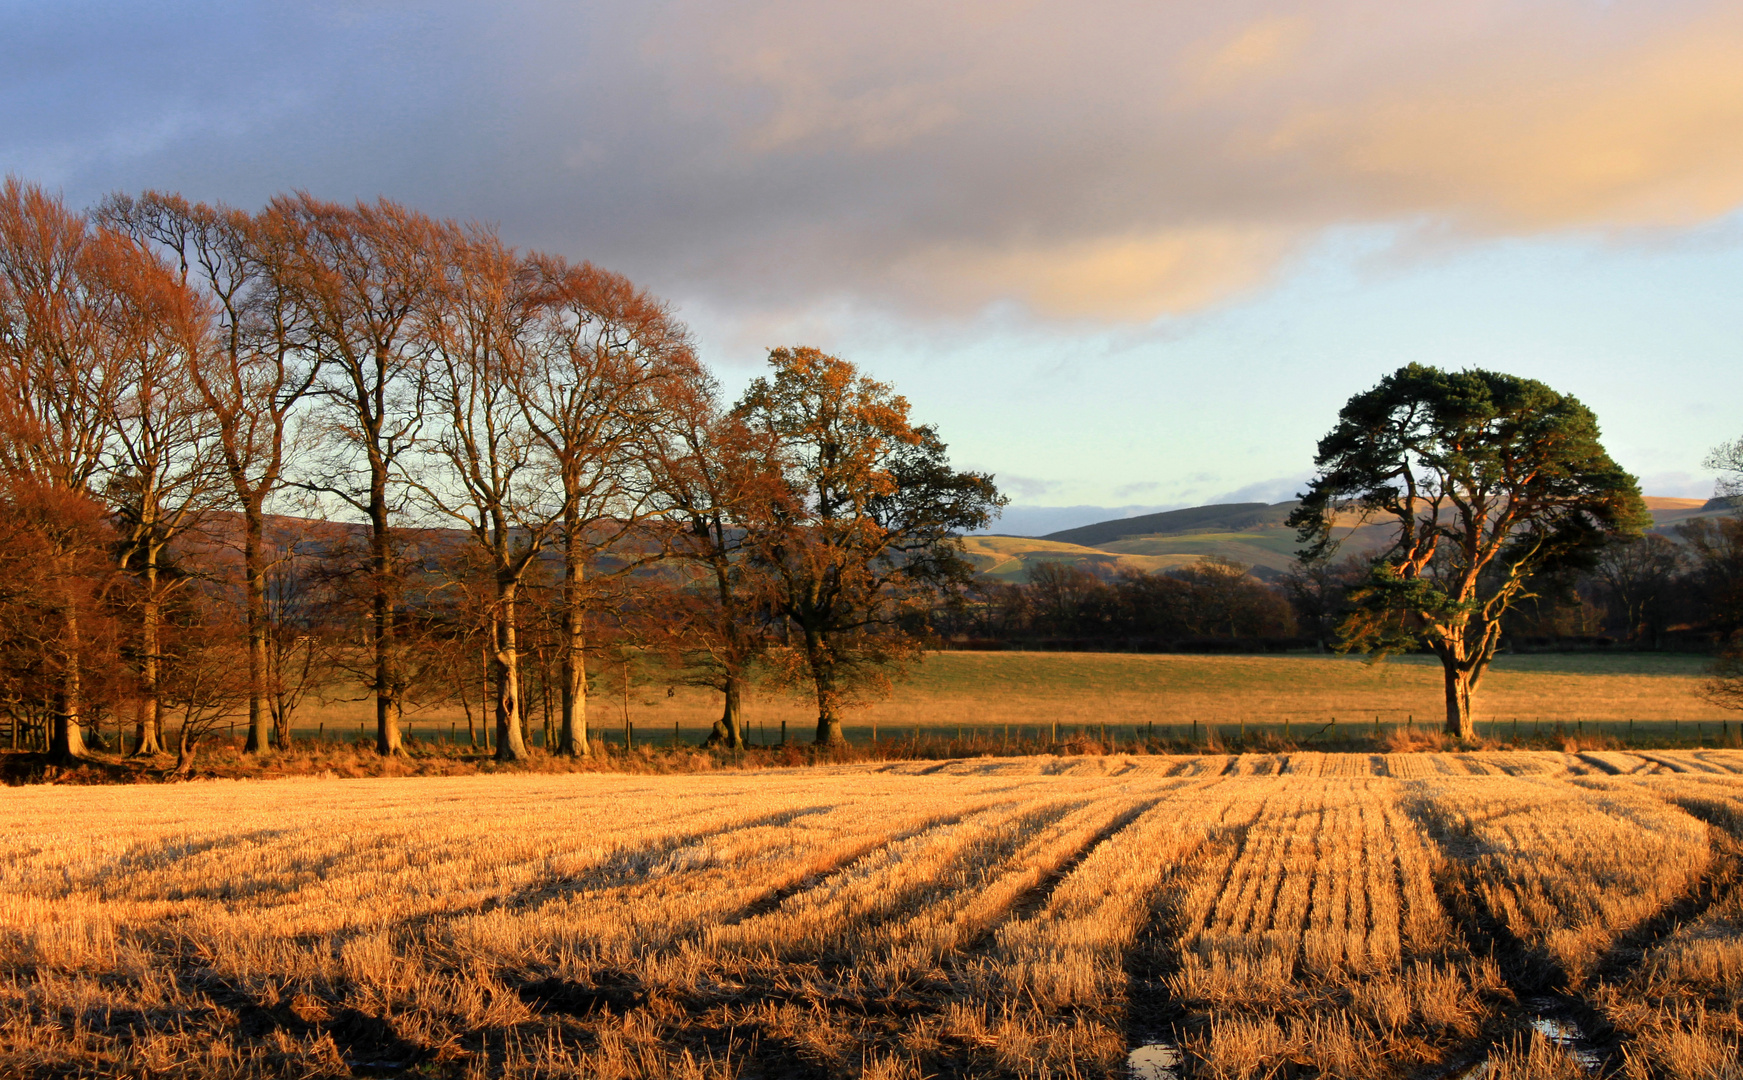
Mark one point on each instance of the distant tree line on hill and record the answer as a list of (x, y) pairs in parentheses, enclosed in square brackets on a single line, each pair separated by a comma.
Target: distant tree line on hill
[(1214, 605), (246, 457), (1679, 591)]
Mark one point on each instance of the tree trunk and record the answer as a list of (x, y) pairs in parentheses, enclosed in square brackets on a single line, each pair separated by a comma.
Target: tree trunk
[(260, 717), (148, 732), (1458, 700), (67, 742), (185, 748), (387, 704), (822, 666), (510, 745), (729, 729), (572, 740)]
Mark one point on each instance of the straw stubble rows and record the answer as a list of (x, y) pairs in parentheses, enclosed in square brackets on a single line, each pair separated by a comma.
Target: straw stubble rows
[(1386, 915)]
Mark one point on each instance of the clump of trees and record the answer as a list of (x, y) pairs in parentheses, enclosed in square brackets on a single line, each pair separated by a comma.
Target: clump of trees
[(1214, 604), (246, 457)]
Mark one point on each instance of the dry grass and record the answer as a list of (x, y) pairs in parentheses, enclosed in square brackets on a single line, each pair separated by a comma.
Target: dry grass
[(1289, 914)]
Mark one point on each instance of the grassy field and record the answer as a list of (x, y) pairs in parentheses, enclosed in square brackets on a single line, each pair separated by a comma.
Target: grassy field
[(1027, 693), (1348, 916)]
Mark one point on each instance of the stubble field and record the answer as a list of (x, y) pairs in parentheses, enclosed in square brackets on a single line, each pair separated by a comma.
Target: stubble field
[(1255, 916)]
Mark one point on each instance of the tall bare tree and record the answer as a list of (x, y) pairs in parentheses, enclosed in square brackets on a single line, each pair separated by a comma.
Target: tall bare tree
[(250, 380), (604, 363), (163, 482), (711, 470), (489, 476), (359, 280)]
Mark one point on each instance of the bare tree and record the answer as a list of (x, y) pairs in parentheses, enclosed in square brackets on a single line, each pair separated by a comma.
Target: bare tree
[(603, 363), (205, 686), (1728, 458), (861, 535), (489, 477), (55, 561), (710, 469), (301, 639), (359, 280), (250, 380), (1640, 575), (163, 482)]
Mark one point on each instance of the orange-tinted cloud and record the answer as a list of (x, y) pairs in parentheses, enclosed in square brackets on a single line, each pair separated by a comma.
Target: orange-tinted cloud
[(1126, 160), (1087, 158)]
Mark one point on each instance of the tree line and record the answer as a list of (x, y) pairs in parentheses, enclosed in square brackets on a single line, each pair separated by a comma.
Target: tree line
[(1679, 588), (246, 454)]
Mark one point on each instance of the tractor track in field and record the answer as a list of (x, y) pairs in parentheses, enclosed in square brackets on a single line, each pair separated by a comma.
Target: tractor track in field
[(1545, 997)]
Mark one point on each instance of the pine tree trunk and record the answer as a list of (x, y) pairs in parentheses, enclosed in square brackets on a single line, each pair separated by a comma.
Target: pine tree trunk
[(1458, 701)]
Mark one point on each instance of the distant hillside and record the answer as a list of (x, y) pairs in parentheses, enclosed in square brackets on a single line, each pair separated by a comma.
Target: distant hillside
[(1007, 558), (1250, 533), (1223, 518)]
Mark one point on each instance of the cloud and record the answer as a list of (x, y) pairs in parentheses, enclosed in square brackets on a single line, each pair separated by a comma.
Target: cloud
[(1257, 51), (1678, 484), (1119, 277), (1103, 160), (1277, 489), (1548, 131), (1027, 487)]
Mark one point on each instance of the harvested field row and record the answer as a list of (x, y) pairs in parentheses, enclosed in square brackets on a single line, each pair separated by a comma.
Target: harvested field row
[(1301, 914), (1412, 766)]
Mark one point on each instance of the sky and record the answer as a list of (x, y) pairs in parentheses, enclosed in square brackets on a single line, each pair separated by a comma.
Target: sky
[(1124, 254)]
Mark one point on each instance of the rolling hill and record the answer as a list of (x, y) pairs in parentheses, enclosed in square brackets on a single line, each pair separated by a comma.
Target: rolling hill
[(1253, 534)]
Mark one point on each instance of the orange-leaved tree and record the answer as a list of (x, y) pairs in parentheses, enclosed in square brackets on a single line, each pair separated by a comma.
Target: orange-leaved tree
[(860, 536), (62, 298)]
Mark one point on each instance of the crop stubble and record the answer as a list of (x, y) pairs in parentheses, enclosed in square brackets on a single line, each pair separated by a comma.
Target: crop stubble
[(1293, 914)]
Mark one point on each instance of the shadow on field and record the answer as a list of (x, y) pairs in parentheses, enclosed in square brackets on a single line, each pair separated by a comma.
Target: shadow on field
[(1543, 997)]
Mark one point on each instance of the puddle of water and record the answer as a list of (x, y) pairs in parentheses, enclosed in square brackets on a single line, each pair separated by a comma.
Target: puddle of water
[(1157, 1061), (1567, 1037)]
